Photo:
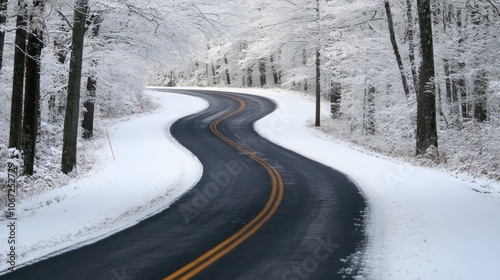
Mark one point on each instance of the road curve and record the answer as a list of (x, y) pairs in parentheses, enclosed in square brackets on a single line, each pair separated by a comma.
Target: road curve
[(259, 212)]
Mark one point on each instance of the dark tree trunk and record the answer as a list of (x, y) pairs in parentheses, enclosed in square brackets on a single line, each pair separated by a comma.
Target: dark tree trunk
[(370, 110), (16, 111), (276, 68), (214, 75), (74, 82), (56, 98), (455, 105), (89, 109), (52, 107), (461, 86), (228, 78), (411, 44), (447, 73), (304, 57), (396, 49), (480, 79), (262, 72), (275, 72), (249, 76), (335, 97), (317, 121), (304, 62), (450, 67), (32, 95), (3, 20), (426, 100), (480, 88), (279, 70), (88, 105), (207, 74)]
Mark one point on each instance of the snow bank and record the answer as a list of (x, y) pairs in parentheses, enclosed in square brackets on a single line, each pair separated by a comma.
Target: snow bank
[(150, 171)]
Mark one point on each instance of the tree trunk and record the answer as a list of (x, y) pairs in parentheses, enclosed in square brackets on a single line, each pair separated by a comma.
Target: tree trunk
[(57, 97), (74, 82), (262, 72), (3, 20), (480, 88), (426, 100), (481, 77), (228, 78), (16, 111), (214, 75), (32, 95), (455, 105), (335, 97), (89, 107), (370, 110), (460, 84), (276, 67), (446, 19), (396, 49), (207, 74), (411, 44), (249, 76), (447, 73), (273, 69), (317, 121)]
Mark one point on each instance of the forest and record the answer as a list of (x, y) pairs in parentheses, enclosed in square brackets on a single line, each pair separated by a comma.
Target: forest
[(365, 58), (414, 80)]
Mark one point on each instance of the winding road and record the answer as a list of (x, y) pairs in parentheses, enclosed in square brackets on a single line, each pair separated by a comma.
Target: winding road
[(259, 212)]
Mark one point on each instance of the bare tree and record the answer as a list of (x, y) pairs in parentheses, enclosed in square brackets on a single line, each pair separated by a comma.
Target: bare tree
[(228, 77), (411, 44), (32, 94), (317, 121), (16, 110), (369, 110), (262, 72), (74, 83), (89, 106), (426, 99), (3, 19), (276, 73), (396, 49), (57, 97)]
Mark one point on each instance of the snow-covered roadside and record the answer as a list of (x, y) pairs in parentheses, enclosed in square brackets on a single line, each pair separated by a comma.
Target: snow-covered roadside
[(423, 224), (150, 171)]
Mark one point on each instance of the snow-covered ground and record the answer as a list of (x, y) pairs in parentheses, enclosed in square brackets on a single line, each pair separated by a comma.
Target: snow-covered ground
[(423, 224), (150, 171)]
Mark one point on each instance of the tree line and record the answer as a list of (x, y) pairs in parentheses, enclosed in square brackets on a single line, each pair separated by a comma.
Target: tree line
[(26, 93), (70, 61), (398, 70), (432, 61)]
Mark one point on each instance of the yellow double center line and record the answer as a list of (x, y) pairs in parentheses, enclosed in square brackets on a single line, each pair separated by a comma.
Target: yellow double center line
[(249, 229)]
